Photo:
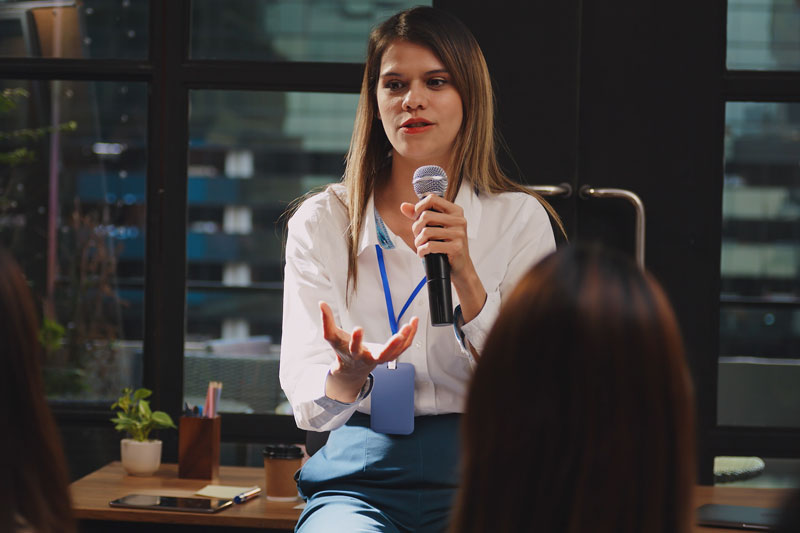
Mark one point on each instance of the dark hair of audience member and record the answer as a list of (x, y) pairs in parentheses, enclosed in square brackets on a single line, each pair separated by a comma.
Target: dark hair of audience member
[(580, 416), (34, 494), (790, 514)]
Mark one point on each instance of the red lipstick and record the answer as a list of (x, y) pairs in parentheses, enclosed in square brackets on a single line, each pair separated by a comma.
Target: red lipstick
[(416, 125)]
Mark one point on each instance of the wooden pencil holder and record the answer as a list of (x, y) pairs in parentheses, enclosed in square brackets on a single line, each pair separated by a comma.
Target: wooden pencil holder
[(198, 447)]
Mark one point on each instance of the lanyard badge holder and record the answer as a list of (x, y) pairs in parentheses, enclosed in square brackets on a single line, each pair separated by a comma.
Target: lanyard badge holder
[(392, 397)]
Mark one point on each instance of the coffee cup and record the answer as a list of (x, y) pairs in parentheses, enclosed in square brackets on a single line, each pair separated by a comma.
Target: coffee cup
[(281, 461)]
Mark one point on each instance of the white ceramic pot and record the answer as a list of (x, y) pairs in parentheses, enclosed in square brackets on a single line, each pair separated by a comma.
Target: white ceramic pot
[(140, 458)]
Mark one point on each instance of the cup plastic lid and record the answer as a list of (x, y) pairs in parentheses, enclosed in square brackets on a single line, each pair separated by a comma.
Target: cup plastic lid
[(283, 451)]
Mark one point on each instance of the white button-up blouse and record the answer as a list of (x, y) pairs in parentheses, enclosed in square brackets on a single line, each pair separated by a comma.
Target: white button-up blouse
[(507, 233)]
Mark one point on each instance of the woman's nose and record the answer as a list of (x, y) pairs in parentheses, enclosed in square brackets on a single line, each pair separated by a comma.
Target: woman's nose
[(415, 97)]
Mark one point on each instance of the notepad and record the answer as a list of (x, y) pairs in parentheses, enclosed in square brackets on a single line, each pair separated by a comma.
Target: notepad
[(223, 491)]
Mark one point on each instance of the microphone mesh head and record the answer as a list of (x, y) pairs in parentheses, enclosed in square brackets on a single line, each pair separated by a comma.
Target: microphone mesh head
[(429, 179)]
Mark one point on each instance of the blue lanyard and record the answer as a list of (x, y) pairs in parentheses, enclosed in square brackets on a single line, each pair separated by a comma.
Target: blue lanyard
[(389, 307)]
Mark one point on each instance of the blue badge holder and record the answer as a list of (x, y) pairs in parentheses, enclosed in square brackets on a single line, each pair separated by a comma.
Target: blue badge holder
[(392, 399)]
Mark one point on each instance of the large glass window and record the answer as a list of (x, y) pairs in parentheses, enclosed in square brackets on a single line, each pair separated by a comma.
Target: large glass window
[(96, 29), (763, 35), (287, 30), (760, 315), (73, 188), (72, 182), (250, 155)]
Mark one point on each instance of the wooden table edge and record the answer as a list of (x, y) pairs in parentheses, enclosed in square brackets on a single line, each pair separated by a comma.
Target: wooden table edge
[(91, 494)]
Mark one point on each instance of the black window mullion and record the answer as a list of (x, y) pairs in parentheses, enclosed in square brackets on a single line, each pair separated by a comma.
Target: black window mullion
[(165, 264), (75, 69), (262, 428), (240, 75), (762, 442), (746, 86)]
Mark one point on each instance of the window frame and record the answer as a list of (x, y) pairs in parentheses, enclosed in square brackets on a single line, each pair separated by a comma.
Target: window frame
[(717, 440), (170, 74)]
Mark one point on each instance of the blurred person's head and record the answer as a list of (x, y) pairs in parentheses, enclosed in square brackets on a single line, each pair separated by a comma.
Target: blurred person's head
[(580, 416), (790, 514), (34, 481)]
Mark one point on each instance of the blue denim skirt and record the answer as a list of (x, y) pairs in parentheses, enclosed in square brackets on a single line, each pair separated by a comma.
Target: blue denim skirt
[(367, 481)]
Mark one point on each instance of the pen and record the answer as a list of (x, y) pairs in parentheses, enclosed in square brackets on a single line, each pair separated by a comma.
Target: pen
[(247, 495)]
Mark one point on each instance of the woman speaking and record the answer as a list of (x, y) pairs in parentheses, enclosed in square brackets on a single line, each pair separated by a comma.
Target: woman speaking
[(360, 355)]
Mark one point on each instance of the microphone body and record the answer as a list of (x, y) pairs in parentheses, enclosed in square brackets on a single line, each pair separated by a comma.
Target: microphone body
[(431, 179)]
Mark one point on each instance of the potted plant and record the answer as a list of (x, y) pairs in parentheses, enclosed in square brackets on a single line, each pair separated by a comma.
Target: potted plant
[(140, 455)]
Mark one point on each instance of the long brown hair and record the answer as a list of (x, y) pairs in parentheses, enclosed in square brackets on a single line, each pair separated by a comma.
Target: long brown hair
[(580, 415), (473, 157), (34, 480)]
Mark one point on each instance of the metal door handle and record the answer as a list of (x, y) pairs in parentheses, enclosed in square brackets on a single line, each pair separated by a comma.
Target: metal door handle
[(588, 191), (562, 189)]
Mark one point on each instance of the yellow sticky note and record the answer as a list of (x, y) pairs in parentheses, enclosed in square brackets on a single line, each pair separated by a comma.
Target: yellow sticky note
[(223, 491)]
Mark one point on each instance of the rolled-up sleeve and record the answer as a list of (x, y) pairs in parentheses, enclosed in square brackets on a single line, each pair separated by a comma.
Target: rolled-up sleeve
[(533, 239), (306, 357)]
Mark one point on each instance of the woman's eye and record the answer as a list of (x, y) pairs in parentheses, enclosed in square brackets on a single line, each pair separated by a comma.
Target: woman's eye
[(393, 85), (437, 82)]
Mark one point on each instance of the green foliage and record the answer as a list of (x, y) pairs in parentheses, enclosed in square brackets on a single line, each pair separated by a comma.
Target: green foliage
[(65, 379), (81, 361), (17, 157), (51, 334), (34, 134), (135, 417), (9, 99)]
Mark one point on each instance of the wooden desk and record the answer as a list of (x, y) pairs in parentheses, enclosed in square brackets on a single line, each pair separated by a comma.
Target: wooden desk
[(91, 494), (771, 498)]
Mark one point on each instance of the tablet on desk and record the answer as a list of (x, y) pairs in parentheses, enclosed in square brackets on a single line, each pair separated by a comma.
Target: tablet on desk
[(738, 517), (171, 503)]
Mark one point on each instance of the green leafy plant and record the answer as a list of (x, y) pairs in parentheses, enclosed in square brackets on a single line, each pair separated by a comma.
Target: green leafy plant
[(13, 153), (51, 334), (135, 416), (19, 171)]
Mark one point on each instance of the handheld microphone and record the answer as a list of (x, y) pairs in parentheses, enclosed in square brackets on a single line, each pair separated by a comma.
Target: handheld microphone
[(431, 179)]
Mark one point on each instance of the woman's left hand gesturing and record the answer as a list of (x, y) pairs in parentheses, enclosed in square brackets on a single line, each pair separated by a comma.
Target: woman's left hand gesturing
[(440, 228)]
